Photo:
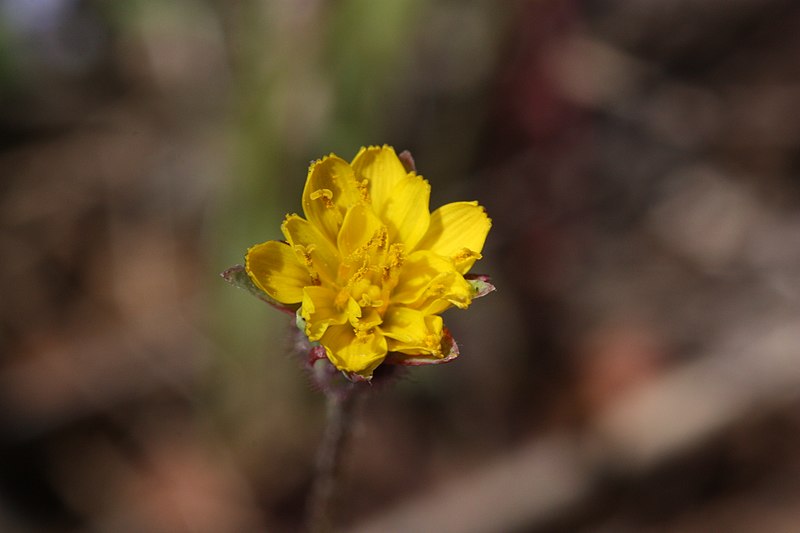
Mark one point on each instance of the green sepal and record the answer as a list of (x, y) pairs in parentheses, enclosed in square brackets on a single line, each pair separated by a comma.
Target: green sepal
[(481, 285), (238, 277)]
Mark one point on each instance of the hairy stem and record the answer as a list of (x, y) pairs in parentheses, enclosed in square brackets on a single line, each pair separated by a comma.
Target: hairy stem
[(339, 421)]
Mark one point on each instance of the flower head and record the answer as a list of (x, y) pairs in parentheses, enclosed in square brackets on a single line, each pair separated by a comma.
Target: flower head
[(370, 269)]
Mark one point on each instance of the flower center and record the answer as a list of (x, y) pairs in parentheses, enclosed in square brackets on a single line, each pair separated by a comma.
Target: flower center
[(368, 276)]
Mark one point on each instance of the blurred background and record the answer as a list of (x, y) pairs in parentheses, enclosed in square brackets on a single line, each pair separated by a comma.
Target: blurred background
[(638, 368)]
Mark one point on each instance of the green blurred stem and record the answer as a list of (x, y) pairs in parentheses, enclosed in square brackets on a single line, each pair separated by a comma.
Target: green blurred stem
[(340, 414)]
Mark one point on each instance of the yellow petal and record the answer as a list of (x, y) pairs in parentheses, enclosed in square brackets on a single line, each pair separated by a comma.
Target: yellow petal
[(323, 255), (359, 227), (382, 170), (276, 270), (454, 227), (320, 311), (369, 319), (411, 331), (418, 270), (330, 189), (464, 259), (353, 310), (406, 212), (445, 290), (351, 353), (404, 324)]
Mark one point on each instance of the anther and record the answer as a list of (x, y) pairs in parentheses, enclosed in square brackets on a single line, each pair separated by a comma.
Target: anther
[(325, 194)]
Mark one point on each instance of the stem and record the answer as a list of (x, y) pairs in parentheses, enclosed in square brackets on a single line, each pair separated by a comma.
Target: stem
[(340, 409)]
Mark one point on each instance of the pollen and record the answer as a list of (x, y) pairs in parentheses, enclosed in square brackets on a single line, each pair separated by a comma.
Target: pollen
[(363, 190), (433, 343), (305, 253), (465, 254), (394, 261)]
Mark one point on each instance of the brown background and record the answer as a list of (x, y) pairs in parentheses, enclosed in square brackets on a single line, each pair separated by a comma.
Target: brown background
[(637, 370)]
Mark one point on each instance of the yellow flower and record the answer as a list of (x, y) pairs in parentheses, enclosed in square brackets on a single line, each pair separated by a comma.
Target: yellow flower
[(370, 266)]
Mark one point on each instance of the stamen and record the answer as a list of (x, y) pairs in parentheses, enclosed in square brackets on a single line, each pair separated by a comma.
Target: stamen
[(305, 253), (466, 254), (378, 239), (325, 194), (433, 343), (362, 188), (394, 261)]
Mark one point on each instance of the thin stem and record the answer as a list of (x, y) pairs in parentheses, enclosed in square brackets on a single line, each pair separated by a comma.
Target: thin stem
[(339, 419)]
